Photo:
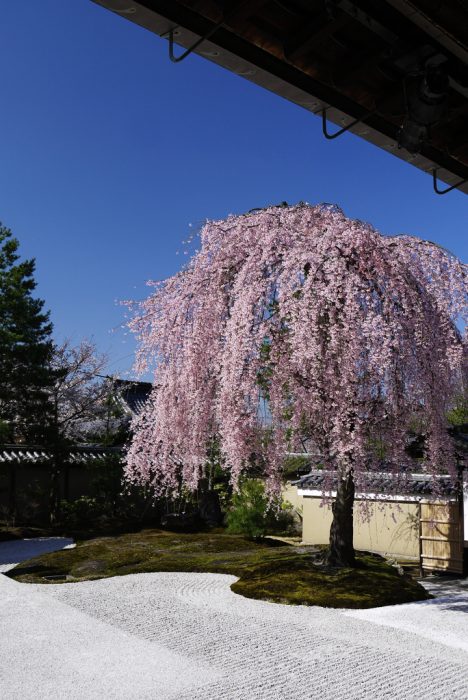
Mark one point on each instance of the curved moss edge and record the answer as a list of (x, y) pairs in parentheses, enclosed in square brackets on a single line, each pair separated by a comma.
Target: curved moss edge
[(374, 583), (266, 570)]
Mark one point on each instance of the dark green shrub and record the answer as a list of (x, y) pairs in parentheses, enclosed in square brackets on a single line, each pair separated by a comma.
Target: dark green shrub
[(252, 515), (458, 415), (295, 466), (83, 512)]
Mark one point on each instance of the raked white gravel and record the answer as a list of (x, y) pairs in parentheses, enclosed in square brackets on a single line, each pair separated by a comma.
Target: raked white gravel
[(49, 649), (187, 636)]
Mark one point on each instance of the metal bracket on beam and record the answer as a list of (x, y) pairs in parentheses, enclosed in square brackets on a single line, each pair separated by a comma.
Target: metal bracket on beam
[(330, 137), (191, 49), (447, 189)]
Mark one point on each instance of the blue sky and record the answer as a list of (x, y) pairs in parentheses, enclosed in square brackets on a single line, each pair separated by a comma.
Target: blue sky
[(108, 152)]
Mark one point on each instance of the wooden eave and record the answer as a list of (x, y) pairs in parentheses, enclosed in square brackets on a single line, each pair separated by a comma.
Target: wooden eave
[(354, 59)]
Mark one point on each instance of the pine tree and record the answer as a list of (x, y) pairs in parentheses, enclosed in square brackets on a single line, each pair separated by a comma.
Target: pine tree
[(25, 350)]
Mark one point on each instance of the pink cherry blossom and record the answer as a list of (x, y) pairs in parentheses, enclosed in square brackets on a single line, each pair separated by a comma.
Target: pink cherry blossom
[(292, 323)]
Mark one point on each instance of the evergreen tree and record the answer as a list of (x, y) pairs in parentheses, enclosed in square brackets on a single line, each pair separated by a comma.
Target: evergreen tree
[(26, 349)]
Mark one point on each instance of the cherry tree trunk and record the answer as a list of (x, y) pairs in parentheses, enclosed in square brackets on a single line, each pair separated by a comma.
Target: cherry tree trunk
[(341, 551)]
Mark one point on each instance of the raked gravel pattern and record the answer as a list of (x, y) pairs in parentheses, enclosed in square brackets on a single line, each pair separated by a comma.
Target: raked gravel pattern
[(51, 650), (184, 636), (261, 651)]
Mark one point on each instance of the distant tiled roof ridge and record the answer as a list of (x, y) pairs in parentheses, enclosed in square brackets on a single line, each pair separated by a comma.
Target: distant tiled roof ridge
[(384, 482), (131, 382), (132, 395), (74, 454)]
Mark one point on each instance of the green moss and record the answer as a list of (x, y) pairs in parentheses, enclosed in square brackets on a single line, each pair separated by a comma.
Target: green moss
[(300, 581), (267, 570)]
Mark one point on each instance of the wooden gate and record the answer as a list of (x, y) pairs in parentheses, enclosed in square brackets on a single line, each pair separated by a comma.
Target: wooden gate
[(441, 536)]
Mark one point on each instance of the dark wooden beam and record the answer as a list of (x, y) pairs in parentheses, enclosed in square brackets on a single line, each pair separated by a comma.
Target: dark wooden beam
[(270, 69), (306, 37)]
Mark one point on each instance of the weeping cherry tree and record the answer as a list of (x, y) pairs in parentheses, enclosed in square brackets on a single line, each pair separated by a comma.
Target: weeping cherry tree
[(294, 323)]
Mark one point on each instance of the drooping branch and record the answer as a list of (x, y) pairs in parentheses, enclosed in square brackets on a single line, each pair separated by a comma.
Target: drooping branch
[(355, 323)]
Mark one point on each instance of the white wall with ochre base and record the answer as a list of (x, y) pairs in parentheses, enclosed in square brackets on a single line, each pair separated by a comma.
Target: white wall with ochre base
[(391, 529)]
